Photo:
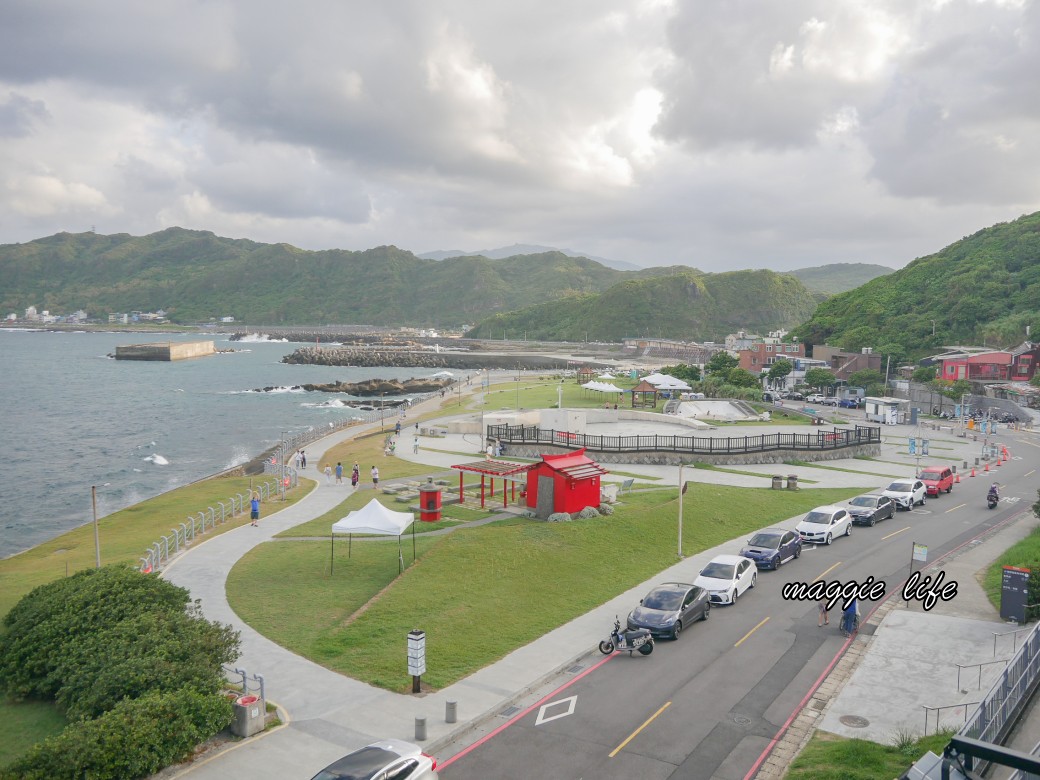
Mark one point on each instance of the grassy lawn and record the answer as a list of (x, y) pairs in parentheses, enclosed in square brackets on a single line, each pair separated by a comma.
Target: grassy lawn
[(25, 724), (124, 535), (1025, 554), (830, 757), (539, 574), (725, 470)]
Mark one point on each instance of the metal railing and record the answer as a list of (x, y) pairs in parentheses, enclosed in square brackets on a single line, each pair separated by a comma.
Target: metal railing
[(1013, 634), (938, 712), (692, 445), (962, 667), (251, 683), (182, 535)]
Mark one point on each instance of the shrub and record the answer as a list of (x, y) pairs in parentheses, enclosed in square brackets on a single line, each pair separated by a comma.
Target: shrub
[(135, 739)]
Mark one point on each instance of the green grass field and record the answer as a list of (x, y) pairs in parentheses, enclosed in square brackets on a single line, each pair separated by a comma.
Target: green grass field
[(829, 757), (540, 575)]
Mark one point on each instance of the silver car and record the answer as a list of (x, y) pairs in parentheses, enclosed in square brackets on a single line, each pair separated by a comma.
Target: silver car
[(907, 493)]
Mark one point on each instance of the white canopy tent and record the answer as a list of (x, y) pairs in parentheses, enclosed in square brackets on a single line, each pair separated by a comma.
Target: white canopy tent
[(602, 387), (374, 518)]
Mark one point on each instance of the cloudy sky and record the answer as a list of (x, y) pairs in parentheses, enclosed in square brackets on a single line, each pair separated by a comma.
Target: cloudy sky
[(720, 134)]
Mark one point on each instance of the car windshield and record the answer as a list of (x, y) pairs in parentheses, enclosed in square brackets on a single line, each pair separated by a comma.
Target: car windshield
[(360, 765), (718, 571), (900, 487), (818, 518), (864, 501), (765, 540), (664, 600)]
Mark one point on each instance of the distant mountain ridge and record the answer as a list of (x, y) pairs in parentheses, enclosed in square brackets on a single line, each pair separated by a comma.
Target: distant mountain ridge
[(839, 277), (527, 249)]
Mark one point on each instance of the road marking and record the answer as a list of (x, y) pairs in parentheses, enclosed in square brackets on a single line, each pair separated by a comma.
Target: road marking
[(1028, 473), (832, 568), (749, 633), (570, 701), (635, 733), (954, 507), (894, 533)]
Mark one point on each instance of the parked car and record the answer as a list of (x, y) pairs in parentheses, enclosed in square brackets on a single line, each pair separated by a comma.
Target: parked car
[(389, 758), (907, 493), (936, 479), (867, 510), (795, 396), (669, 608), (830, 401), (850, 403), (772, 547), (726, 577), (815, 398), (824, 523)]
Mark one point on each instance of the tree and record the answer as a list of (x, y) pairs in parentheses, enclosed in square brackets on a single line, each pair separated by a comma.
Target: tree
[(779, 371), (683, 371), (819, 378), (721, 363), (741, 377), (923, 375), (1035, 381), (866, 378)]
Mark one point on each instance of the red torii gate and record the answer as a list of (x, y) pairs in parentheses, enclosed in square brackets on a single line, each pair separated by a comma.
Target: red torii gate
[(492, 469)]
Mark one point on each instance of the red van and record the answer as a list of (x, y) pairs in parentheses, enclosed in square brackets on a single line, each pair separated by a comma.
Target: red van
[(937, 478)]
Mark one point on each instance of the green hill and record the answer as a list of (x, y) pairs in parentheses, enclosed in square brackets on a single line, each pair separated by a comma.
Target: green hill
[(838, 277), (690, 305), (984, 288)]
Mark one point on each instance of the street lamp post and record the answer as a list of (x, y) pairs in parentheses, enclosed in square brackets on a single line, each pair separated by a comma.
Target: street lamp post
[(97, 540), (381, 407), (281, 460), (682, 490)]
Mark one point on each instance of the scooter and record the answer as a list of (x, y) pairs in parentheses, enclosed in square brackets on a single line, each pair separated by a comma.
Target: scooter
[(992, 499), (636, 639)]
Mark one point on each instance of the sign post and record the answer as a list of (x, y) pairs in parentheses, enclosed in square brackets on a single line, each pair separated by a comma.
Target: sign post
[(416, 656), (919, 552), (1014, 593)]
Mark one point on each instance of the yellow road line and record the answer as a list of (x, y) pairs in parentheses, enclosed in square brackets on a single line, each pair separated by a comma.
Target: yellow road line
[(832, 568), (954, 507), (894, 533), (633, 735), (749, 633)]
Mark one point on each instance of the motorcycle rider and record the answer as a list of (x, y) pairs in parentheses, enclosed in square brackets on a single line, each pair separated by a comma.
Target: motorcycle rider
[(994, 492)]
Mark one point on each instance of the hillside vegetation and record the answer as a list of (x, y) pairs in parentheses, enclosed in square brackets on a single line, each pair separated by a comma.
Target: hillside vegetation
[(982, 289), (689, 306), (838, 277)]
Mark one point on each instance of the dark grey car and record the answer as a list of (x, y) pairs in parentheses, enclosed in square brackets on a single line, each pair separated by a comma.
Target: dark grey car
[(669, 608), (867, 510)]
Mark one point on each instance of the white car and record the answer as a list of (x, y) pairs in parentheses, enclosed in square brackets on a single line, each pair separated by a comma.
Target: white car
[(390, 758), (824, 523), (815, 398), (907, 493), (726, 577)]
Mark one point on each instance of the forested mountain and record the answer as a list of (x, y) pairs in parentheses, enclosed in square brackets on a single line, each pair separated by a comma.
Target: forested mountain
[(839, 277), (982, 289), (690, 305)]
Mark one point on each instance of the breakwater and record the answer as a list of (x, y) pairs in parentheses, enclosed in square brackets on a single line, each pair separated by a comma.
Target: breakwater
[(404, 358)]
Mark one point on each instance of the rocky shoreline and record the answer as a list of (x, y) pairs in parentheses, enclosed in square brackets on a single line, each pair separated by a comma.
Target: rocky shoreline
[(405, 358), (370, 388)]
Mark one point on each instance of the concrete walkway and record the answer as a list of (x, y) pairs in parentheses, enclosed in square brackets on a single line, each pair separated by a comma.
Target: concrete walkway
[(328, 714)]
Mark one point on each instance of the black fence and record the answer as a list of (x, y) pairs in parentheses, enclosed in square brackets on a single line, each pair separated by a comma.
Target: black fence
[(818, 440)]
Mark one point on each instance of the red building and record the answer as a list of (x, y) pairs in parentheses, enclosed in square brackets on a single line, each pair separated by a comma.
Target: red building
[(981, 367), (563, 483), (759, 357), (1023, 361)]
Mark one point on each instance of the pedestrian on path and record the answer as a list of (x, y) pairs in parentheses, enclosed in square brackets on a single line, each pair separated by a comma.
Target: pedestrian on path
[(355, 476), (303, 458), (375, 477), (415, 445), (254, 508), (490, 451), (299, 459), (339, 473), (850, 618), (328, 474), (824, 618)]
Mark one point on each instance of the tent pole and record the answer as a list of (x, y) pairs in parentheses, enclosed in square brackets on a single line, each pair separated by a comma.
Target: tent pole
[(400, 555), (350, 542), (332, 552), (413, 539)]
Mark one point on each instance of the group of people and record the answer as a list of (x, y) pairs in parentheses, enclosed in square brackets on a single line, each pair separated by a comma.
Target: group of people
[(849, 616)]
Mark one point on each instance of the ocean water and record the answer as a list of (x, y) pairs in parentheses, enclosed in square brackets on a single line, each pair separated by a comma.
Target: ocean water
[(72, 417)]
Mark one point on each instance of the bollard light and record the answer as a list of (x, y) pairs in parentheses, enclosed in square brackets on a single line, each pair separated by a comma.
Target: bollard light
[(416, 656)]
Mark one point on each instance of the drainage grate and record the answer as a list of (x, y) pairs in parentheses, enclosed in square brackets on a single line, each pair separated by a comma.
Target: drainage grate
[(576, 668), (508, 712), (854, 721)]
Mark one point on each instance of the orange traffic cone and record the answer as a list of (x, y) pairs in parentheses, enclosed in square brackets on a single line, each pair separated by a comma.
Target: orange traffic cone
[(987, 467), (972, 474), (999, 461), (958, 480)]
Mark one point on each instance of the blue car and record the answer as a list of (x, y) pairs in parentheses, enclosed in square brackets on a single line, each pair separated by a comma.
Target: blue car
[(772, 547), (849, 403)]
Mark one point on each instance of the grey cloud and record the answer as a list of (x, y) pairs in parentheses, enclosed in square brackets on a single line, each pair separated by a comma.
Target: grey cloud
[(18, 114)]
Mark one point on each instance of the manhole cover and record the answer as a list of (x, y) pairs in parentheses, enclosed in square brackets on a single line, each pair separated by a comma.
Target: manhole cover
[(576, 669), (740, 720), (508, 711), (854, 721)]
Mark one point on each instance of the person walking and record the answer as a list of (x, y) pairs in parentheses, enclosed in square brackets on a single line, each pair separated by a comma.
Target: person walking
[(375, 477), (415, 445), (299, 459), (850, 618), (254, 509), (328, 474), (824, 618), (339, 473), (303, 458), (355, 476)]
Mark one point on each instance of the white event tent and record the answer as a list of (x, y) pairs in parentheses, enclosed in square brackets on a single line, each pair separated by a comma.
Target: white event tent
[(603, 387), (374, 518)]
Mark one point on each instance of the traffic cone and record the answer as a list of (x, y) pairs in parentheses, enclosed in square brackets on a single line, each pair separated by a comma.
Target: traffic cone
[(987, 467), (958, 480), (972, 474), (999, 461)]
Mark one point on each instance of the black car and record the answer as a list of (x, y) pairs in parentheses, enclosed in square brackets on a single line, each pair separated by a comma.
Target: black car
[(867, 510), (668, 608), (772, 547)]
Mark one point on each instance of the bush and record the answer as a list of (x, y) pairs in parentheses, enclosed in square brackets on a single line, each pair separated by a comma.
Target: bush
[(135, 739)]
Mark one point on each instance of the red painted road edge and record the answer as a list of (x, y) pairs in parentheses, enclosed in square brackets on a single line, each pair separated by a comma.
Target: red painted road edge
[(519, 715), (844, 647)]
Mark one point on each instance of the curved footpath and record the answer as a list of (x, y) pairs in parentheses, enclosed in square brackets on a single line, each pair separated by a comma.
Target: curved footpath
[(327, 714)]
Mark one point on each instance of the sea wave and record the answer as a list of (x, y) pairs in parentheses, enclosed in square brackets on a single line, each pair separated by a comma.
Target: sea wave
[(333, 403), (157, 459), (256, 337)]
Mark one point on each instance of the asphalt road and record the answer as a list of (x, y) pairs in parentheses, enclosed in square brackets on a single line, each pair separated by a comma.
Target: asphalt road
[(707, 705)]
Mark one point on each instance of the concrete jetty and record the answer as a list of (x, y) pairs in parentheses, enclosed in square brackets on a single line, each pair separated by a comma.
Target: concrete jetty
[(166, 350)]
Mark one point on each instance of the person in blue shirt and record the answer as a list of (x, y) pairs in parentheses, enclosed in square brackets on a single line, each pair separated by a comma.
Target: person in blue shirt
[(254, 509), (849, 618)]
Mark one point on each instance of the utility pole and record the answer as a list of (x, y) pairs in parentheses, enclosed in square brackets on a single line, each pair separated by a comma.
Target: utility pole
[(682, 490)]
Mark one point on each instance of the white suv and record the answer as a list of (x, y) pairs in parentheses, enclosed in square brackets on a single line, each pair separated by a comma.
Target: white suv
[(815, 398), (907, 493), (823, 523)]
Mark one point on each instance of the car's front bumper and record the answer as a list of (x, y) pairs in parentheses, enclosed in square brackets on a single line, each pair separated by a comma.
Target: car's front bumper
[(722, 597), (861, 519)]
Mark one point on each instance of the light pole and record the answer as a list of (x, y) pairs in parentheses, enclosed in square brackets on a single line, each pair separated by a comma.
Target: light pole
[(518, 390), (97, 541), (381, 407), (682, 490), (282, 463)]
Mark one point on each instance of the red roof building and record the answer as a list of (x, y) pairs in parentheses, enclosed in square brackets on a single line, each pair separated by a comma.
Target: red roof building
[(759, 357), (563, 483), (983, 367)]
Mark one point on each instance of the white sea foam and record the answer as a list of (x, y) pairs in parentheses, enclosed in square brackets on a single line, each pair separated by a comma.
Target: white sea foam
[(332, 403), (258, 337), (157, 459)]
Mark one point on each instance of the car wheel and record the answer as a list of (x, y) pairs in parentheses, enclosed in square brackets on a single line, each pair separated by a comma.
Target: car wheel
[(949, 490), (923, 499), (754, 579), (827, 540), (733, 596), (891, 513), (848, 530), (676, 629), (873, 521), (707, 609), (797, 552)]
